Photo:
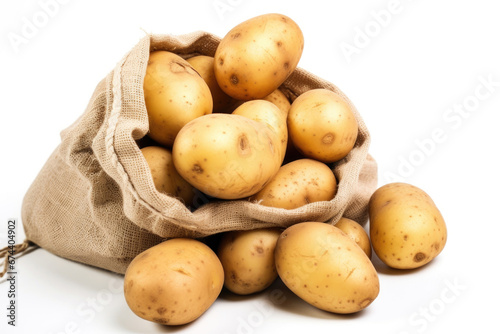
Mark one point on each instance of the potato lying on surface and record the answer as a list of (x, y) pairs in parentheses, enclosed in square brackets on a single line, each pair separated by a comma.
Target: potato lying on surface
[(248, 260), (268, 113), (322, 126), (298, 183), (406, 228), (227, 156), (173, 283), (165, 176), (357, 233), (204, 65), (256, 56), (326, 268), (174, 94)]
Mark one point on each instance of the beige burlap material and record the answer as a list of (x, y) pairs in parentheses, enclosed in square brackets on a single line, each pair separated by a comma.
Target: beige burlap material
[(94, 200)]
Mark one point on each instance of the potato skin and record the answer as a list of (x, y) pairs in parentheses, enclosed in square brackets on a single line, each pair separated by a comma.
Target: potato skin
[(204, 65), (174, 282), (174, 94), (256, 56), (248, 259), (357, 233), (298, 183), (280, 100), (268, 113), (326, 268), (322, 126), (406, 228), (165, 176), (227, 156)]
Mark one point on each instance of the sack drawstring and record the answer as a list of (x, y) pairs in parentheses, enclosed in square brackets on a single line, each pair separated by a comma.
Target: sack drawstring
[(13, 250)]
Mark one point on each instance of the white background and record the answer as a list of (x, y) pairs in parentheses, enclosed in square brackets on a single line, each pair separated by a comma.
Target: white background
[(408, 79)]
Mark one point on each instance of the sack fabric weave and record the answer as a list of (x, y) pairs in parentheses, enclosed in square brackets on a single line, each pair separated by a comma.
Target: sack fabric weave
[(94, 200)]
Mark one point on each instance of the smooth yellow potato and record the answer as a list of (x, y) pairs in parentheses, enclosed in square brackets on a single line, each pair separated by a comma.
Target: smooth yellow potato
[(406, 228), (322, 126), (298, 183), (174, 94), (165, 176), (326, 268), (357, 233), (174, 282), (280, 100), (268, 113), (248, 259), (204, 65), (227, 156), (256, 56)]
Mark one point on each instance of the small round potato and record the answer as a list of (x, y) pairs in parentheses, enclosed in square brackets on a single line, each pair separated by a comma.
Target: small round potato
[(165, 176), (268, 113), (326, 268), (298, 183), (357, 233), (204, 65), (174, 282), (174, 94), (227, 156), (322, 126), (406, 228), (248, 260), (257, 56)]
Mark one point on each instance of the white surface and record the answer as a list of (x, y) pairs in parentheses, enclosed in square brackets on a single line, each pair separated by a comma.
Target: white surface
[(430, 57)]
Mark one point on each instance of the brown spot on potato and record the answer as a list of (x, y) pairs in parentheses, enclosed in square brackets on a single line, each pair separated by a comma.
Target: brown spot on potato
[(328, 138), (419, 257), (221, 61), (161, 310), (234, 36), (279, 43), (197, 169), (259, 249), (234, 79), (286, 65), (162, 321)]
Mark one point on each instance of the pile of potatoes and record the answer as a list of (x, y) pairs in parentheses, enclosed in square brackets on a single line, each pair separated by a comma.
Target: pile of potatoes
[(221, 126)]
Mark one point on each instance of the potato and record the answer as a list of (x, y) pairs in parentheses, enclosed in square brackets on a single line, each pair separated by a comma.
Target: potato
[(204, 65), (298, 183), (280, 100), (174, 282), (326, 268), (257, 56), (357, 233), (322, 126), (267, 112), (227, 156), (406, 228), (174, 94), (248, 259), (165, 176)]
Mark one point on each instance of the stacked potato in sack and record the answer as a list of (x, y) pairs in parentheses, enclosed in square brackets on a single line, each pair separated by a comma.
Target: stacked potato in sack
[(222, 127)]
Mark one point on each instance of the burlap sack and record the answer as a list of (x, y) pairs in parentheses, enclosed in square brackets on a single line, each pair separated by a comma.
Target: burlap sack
[(94, 200)]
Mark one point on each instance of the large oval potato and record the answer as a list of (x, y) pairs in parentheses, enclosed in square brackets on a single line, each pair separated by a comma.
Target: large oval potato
[(174, 282), (204, 65), (165, 176), (248, 259), (407, 230), (326, 268), (256, 56), (322, 126), (174, 94), (227, 156), (268, 113), (298, 183)]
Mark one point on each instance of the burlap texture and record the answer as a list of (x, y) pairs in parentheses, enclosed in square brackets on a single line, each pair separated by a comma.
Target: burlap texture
[(94, 200)]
